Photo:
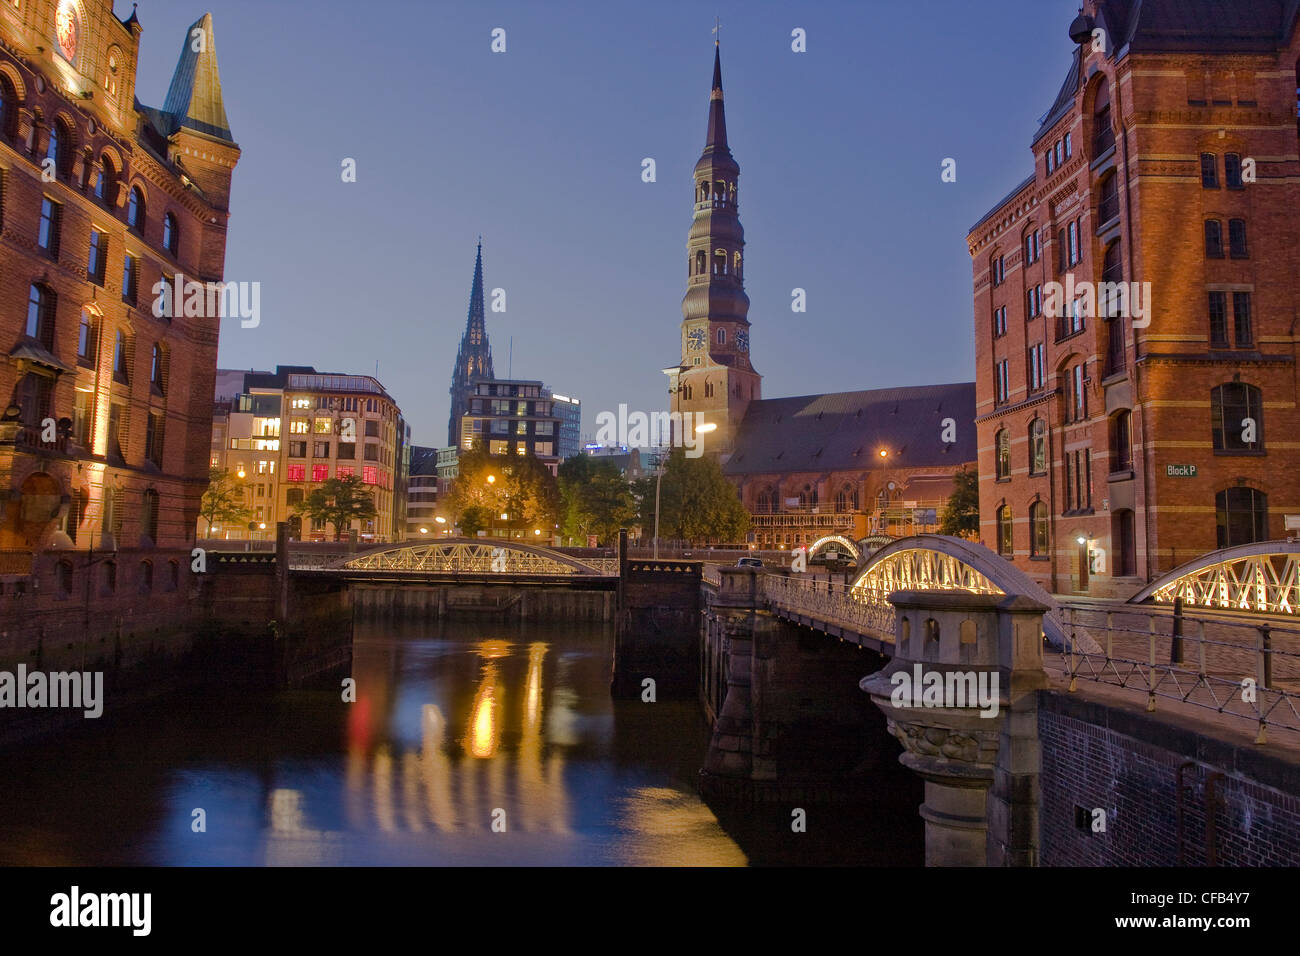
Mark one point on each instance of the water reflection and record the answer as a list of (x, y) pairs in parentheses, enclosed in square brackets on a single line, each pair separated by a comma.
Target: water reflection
[(451, 722)]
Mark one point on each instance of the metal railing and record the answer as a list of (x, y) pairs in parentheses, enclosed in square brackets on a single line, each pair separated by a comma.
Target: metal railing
[(869, 612), (1244, 670)]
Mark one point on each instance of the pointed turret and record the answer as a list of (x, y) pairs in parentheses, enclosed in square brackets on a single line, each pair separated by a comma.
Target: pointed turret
[(194, 100), (474, 359), (716, 138)]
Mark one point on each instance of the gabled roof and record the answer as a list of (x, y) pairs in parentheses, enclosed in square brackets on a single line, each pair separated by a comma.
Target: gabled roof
[(842, 431)]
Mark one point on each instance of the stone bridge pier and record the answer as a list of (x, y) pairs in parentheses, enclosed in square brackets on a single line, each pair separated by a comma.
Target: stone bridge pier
[(960, 694)]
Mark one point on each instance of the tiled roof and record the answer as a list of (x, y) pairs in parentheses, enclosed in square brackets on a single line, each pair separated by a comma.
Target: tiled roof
[(847, 430)]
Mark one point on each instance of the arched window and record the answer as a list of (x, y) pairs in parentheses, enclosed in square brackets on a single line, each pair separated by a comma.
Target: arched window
[(1121, 442), (1242, 516), (1005, 547), (1103, 137), (56, 149), (736, 264), (173, 574), (1002, 442), (40, 314), (807, 497), (765, 503), (708, 389), (135, 210), (1038, 446), (720, 262), (171, 236), (146, 577), (1038, 529), (722, 336), (1237, 417), (846, 500), (149, 515), (701, 262), (8, 108), (106, 184)]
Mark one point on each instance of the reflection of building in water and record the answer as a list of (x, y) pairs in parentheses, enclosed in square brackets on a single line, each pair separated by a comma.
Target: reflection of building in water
[(447, 788), (290, 842)]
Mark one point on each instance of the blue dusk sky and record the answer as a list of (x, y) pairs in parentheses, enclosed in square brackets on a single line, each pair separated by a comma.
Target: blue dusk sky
[(539, 150)]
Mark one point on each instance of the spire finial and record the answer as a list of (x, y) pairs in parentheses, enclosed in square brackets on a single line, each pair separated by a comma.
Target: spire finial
[(717, 31)]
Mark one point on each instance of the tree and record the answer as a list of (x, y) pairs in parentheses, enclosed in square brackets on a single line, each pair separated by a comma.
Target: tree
[(474, 519), (698, 503), (597, 498), (224, 500), (518, 486), (339, 501), (961, 516)]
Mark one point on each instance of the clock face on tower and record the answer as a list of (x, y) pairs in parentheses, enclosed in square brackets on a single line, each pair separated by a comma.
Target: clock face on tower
[(695, 338), (742, 340)]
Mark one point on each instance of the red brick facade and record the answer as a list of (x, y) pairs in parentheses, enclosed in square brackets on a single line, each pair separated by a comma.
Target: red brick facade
[(1097, 434), (91, 355)]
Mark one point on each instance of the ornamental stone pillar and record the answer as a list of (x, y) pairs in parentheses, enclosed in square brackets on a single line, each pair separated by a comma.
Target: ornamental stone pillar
[(960, 695)]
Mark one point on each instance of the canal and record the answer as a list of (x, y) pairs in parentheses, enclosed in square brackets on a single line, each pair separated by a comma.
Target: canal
[(468, 743)]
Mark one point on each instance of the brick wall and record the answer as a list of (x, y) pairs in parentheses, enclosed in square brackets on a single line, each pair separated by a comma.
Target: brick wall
[(1127, 765)]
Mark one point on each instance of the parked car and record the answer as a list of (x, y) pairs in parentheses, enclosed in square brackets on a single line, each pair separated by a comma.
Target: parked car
[(749, 563)]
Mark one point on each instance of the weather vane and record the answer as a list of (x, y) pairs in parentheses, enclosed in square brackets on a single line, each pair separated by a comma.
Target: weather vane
[(717, 30)]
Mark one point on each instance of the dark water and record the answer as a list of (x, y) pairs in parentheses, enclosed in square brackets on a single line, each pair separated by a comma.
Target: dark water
[(468, 743)]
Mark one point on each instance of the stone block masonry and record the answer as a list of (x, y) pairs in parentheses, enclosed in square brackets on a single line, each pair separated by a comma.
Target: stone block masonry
[(1239, 806)]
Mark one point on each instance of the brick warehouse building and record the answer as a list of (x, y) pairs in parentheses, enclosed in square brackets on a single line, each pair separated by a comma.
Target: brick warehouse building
[(1120, 441), (130, 194)]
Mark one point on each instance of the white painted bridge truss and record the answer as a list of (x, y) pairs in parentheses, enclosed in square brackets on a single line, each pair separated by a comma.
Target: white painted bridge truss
[(473, 557)]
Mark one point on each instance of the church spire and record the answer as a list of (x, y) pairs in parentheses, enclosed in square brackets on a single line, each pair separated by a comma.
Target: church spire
[(716, 139), (474, 359), (194, 99)]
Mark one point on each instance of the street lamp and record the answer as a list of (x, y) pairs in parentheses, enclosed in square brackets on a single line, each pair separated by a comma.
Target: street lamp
[(659, 477)]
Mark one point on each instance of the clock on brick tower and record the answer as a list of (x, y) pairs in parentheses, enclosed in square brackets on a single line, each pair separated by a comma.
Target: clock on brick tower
[(715, 377)]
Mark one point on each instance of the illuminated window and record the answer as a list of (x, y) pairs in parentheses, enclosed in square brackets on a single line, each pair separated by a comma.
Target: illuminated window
[(521, 448), (369, 474), (324, 426), (1004, 531), (301, 403), (298, 426), (499, 448), (1038, 529), (297, 472), (320, 472), (344, 471), (1002, 441), (1038, 447)]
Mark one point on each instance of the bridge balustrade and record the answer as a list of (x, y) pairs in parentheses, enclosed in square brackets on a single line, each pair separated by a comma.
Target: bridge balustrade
[(1242, 669), (868, 612)]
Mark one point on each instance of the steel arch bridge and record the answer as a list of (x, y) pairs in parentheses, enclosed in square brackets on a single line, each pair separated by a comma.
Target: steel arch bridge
[(1261, 578), (927, 562), (474, 556), (846, 543)]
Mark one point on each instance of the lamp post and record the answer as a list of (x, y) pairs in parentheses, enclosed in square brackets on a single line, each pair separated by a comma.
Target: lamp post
[(659, 477)]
